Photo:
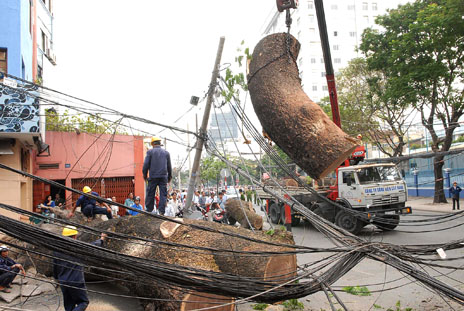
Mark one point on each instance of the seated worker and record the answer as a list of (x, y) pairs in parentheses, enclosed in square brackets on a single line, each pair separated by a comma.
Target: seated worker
[(8, 270), (136, 205), (89, 205)]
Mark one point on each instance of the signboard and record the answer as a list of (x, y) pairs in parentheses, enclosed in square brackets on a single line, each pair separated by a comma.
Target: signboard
[(383, 189), (10, 82), (225, 173)]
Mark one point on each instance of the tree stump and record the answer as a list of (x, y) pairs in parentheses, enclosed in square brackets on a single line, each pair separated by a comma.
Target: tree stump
[(292, 120)]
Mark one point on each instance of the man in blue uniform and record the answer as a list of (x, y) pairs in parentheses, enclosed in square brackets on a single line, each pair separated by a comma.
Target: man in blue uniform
[(454, 192), (70, 275), (8, 269), (89, 206), (157, 170)]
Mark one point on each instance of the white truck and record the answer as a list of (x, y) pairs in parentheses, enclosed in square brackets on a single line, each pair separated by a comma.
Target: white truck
[(377, 190)]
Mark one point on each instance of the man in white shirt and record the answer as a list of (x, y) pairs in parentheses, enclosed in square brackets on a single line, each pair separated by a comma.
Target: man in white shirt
[(209, 201), (172, 209), (196, 198)]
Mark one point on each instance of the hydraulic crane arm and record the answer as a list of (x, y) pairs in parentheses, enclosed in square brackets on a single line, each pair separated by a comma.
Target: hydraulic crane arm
[(329, 71)]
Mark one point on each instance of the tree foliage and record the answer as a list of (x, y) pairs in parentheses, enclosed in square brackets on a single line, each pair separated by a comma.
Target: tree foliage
[(210, 169), (420, 49), (272, 166), (67, 122), (366, 109)]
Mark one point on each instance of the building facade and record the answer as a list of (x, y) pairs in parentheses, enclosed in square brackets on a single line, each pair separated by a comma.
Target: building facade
[(111, 166), (223, 126), (346, 21), (20, 119)]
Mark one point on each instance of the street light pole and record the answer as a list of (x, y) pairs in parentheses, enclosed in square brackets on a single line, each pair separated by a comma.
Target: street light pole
[(204, 125)]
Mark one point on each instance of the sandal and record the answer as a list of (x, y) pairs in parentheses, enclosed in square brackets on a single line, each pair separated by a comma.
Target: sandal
[(6, 290)]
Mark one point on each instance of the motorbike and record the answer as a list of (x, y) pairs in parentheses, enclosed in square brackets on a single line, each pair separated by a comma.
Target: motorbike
[(218, 215)]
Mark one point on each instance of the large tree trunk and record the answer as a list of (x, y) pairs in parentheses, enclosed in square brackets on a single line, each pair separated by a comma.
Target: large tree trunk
[(292, 120), (237, 209), (266, 267), (439, 196)]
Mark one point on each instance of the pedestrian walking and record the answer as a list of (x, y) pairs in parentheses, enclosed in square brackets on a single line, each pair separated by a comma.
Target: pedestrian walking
[(454, 193), (9, 269), (69, 273), (158, 172), (90, 207)]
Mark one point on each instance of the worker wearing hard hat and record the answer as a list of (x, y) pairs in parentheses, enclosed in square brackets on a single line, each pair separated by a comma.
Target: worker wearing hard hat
[(157, 170), (8, 269), (69, 273), (89, 205)]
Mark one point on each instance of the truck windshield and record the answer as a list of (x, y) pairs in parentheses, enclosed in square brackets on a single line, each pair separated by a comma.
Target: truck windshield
[(376, 174)]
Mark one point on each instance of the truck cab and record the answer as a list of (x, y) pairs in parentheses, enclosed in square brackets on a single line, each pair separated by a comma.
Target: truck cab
[(372, 186)]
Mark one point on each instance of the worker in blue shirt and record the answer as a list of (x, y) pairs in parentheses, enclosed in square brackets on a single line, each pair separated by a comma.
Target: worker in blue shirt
[(89, 205), (136, 205), (158, 172), (69, 273), (8, 269), (454, 193)]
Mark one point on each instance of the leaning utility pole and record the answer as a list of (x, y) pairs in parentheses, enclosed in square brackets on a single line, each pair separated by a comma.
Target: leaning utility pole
[(204, 125)]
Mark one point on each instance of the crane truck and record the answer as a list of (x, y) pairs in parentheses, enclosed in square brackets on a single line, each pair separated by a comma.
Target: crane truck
[(376, 190)]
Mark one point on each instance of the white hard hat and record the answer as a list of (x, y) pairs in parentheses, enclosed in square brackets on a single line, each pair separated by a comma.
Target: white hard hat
[(3, 248)]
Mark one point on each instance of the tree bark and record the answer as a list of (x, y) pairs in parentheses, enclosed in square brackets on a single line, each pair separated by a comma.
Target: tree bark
[(439, 196), (267, 267), (292, 120), (237, 209)]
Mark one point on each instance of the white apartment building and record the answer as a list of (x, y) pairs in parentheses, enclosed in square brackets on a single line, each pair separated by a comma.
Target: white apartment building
[(346, 20)]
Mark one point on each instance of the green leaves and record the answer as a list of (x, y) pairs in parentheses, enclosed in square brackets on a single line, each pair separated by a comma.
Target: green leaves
[(67, 122), (357, 290)]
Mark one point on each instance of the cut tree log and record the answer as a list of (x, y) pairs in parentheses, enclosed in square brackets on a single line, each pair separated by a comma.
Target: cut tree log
[(237, 209), (272, 268), (293, 121)]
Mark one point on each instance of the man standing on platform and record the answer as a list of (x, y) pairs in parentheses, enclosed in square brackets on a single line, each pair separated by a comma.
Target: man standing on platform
[(158, 172)]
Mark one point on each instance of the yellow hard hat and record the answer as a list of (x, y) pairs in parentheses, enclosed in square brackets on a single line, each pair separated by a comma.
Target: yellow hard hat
[(154, 139), (69, 231), (86, 189)]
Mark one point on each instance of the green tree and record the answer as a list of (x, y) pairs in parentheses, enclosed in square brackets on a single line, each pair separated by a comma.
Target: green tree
[(67, 122), (210, 169), (271, 166), (421, 51), (365, 108)]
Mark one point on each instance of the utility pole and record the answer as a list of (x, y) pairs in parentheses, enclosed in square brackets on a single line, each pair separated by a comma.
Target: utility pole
[(189, 151), (204, 125)]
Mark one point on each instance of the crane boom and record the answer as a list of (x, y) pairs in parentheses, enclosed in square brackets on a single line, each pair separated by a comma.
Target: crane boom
[(329, 71)]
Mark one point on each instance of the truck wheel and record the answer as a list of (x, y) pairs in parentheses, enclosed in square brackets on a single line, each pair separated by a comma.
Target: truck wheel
[(274, 213), (388, 223), (349, 222)]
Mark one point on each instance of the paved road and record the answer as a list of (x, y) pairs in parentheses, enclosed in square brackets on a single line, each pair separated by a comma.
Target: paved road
[(371, 272)]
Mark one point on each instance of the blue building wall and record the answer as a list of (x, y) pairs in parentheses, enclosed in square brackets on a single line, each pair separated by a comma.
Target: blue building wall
[(16, 37), (424, 185)]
